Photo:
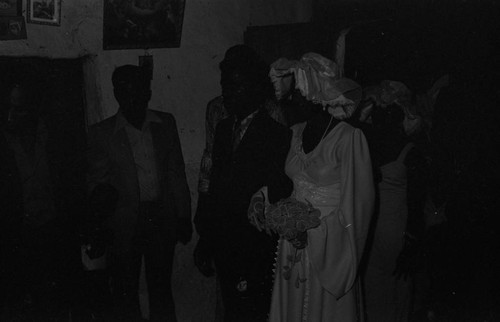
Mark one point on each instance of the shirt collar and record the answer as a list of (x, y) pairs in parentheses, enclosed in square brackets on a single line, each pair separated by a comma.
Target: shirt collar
[(246, 121), (121, 121)]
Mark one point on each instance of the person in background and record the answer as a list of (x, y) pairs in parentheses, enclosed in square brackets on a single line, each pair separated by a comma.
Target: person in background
[(29, 245), (329, 163), (398, 226), (137, 151), (248, 153)]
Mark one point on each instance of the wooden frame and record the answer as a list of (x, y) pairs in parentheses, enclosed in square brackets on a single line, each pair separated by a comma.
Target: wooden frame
[(129, 24), (45, 12), (10, 8), (12, 28)]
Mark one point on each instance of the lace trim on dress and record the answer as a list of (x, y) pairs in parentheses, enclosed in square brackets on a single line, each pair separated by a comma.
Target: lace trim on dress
[(307, 286)]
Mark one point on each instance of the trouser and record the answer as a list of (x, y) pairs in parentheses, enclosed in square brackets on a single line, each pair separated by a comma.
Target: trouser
[(42, 258), (157, 246), (244, 259)]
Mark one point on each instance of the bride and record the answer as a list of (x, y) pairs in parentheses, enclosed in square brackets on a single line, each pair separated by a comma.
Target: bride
[(329, 163)]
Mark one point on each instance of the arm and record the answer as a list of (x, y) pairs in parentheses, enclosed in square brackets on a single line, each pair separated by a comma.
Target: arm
[(203, 251), (337, 245), (97, 159), (417, 175), (177, 183), (214, 113), (279, 185), (102, 196), (417, 191)]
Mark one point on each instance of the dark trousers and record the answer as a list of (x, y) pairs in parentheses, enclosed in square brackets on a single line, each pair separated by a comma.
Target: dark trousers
[(36, 268), (157, 246), (244, 260)]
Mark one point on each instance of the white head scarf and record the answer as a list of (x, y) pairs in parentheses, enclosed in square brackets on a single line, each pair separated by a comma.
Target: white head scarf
[(317, 79)]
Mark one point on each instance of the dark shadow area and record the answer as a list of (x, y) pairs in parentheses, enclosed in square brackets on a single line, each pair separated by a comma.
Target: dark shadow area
[(416, 43), (40, 254)]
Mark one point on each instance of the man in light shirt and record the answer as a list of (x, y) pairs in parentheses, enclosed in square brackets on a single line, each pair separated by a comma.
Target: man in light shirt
[(137, 151)]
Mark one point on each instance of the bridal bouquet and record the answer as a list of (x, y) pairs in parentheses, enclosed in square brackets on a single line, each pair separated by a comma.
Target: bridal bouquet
[(290, 217)]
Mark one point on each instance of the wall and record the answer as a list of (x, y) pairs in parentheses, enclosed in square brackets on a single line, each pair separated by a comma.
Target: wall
[(184, 78)]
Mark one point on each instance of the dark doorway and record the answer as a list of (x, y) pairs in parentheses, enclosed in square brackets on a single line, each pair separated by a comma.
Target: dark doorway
[(55, 88)]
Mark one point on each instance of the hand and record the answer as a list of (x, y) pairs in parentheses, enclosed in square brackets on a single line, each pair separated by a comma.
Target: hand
[(97, 241), (96, 250), (406, 262), (300, 241), (184, 230), (203, 258), (256, 211)]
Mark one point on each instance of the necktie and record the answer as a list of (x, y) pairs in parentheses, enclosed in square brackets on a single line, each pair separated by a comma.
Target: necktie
[(237, 134)]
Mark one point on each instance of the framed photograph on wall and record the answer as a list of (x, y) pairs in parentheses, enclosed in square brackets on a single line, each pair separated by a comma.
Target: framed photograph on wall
[(45, 12), (12, 28), (10, 8), (144, 24)]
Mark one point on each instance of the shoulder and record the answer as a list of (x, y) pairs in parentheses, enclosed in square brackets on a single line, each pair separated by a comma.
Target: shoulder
[(165, 116), (350, 132), (347, 129), (298, 128), (348, 137), (275, 132), (224, 126), (216, 103), (416, 159), (224, 123), (104, 125), (269, 124), (216, 110)]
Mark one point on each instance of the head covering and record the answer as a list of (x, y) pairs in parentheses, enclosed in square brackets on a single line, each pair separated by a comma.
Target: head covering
[(390, 92), (416, 112), (318, 80)]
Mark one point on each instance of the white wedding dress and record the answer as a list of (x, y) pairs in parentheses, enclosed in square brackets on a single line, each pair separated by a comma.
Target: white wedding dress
[(336, 178)]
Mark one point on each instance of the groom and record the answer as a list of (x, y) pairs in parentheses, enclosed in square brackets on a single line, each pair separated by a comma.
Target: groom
[(249, 152)]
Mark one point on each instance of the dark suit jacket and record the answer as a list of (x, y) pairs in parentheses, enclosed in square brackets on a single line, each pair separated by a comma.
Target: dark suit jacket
[(258, 161), (111, 161)]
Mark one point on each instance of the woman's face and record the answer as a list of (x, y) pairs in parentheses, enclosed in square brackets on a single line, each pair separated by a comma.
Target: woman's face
[(387, 118), (302, 107)]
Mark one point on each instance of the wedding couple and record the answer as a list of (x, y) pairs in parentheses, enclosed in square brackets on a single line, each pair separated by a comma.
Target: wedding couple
[(324, 165)]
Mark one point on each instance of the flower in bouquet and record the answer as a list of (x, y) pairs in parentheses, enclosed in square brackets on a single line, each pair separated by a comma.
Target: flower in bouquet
[(289, 217)]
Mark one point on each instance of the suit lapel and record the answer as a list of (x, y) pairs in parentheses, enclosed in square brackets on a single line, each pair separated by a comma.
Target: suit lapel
[(252, 135)]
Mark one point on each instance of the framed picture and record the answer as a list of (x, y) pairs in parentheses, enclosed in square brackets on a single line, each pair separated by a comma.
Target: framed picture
[(10, 8), (142, 23), (45, 12), (12, 28)]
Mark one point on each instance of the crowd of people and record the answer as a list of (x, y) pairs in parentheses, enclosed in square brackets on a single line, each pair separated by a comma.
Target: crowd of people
[(314, 196)]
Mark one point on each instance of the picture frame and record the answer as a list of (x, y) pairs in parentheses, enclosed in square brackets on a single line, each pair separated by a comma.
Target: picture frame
[(142, 24), (12, 28), (45, 12), (11, 8)]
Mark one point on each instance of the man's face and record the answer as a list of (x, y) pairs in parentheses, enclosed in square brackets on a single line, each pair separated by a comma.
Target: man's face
[(236, 91), (133, 97), (20, 113)]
